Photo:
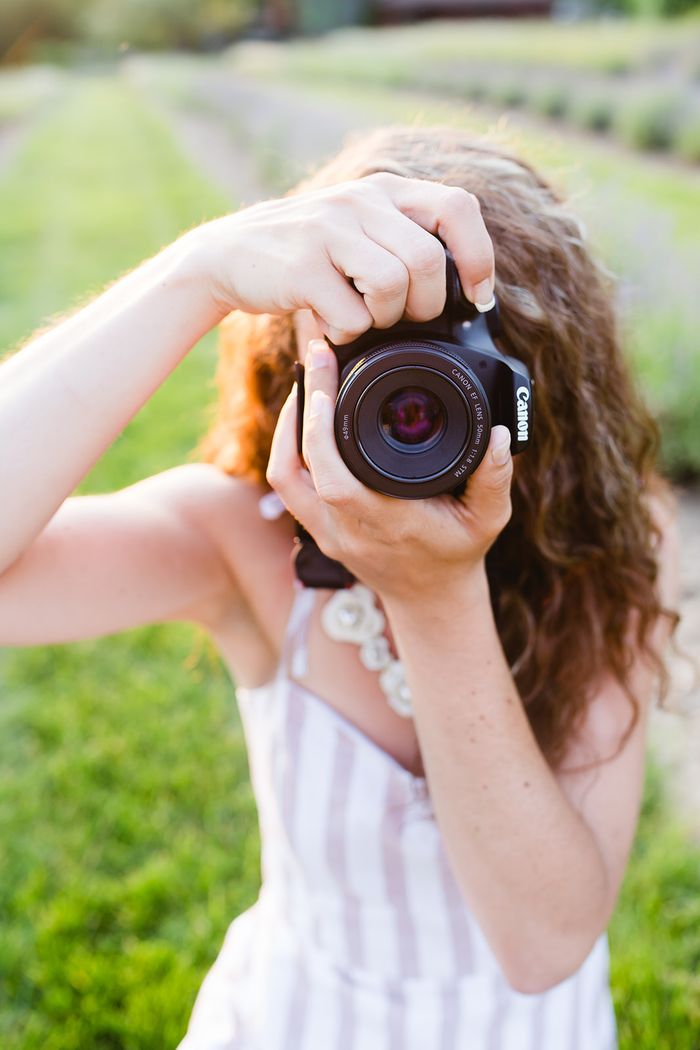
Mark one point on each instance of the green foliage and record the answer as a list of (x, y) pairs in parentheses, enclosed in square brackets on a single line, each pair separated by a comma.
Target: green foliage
[(592, 109), (26, 24), (655, 935), (166, 23), (650, 120), (22, 22), (508, 92), (551, 100), (687, 138)]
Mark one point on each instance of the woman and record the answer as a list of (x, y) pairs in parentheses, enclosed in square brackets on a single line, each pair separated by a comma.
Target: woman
[(440, 880)]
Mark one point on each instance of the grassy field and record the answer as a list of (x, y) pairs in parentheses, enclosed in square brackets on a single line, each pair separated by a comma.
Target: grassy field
[(127, 827), (637, 82), (604, 46)]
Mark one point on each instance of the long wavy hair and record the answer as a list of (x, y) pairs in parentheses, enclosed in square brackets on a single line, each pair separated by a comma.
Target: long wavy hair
[(576, 564)]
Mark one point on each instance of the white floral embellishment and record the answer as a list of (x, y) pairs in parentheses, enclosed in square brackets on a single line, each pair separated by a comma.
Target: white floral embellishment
[(271, 506), (393, 682), (375, 654), (350, 615)]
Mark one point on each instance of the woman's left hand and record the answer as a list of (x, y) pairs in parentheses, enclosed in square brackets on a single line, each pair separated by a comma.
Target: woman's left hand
[(397, 547)]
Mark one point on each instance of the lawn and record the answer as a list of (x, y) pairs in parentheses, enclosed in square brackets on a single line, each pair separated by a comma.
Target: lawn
[(127, 826)]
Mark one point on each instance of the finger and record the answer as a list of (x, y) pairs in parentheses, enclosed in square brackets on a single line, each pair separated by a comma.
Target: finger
[(379, 275), (488, 490), (285, 472), (424, 258), (341, 311), (455, 216), (333, 481)]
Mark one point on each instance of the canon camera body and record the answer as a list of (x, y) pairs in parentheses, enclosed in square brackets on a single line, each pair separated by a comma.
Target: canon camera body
[(417, 401)]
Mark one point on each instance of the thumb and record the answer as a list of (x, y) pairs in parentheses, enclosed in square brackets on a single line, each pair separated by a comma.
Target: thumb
[(488, 492)]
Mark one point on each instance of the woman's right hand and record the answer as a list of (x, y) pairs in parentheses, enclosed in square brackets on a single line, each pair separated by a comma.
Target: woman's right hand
[(302, 251)]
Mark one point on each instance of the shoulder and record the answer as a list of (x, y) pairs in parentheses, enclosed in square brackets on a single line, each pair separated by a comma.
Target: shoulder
[(216, 514), (203, 493), (662, 504)]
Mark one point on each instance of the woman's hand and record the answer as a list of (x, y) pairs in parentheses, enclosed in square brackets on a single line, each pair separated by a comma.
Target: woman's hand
[(302, 251), (400, 548)]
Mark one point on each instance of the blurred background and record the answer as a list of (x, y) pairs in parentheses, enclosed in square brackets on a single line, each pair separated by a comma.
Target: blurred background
[(128, 835)]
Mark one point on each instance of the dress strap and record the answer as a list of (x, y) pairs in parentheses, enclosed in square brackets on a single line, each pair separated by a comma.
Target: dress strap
[(294, 655), (294, 658)]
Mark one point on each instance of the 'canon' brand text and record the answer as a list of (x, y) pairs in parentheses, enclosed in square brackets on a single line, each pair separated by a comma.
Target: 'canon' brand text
[(522, 396)]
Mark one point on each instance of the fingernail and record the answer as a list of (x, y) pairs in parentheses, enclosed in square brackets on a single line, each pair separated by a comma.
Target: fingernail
[(501, 449), (483, 296), (318, 404), (318, 354)]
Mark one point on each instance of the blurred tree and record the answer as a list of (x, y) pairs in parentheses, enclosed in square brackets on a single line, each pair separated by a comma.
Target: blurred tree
[(643, 8), (23, 22), (317, 16), (166, 23)]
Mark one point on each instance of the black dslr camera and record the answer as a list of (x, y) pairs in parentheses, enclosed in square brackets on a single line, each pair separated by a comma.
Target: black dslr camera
[(415, 407)]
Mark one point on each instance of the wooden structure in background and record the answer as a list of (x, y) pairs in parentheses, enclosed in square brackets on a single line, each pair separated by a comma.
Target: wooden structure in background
[(284, 17), (395, 11)]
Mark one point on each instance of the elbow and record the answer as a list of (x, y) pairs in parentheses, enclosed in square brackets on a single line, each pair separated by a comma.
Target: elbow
[(539, 970), (537, 981)]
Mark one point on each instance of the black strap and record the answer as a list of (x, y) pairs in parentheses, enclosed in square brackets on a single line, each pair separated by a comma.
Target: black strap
[(312, 567)]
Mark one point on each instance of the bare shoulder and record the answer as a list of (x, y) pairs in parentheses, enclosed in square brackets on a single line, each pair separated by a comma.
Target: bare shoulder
[(173, 546), (247, 620), (224, 511), (662, 503), (226, 507), (202, 488)]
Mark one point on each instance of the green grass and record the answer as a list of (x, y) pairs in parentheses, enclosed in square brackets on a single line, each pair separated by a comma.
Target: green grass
[(127, 829), (655, 935), (128, 836)]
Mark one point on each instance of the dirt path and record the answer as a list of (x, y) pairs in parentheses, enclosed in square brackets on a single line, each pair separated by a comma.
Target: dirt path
[(239, 136), (12, 138)]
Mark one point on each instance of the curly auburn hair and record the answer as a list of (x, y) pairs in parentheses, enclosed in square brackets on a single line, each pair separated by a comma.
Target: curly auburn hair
[(576, 564)]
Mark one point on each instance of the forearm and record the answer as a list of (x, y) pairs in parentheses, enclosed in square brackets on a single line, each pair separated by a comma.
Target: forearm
[(68, 394), (527, 863)]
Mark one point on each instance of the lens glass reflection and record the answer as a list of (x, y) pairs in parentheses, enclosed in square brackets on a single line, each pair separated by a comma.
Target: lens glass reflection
[(412, 415)]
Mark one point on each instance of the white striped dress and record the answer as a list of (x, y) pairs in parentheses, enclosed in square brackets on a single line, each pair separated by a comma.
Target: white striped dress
[(360, 938)]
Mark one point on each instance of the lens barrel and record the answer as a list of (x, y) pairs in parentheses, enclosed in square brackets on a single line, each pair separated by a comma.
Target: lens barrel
[(412, 419)]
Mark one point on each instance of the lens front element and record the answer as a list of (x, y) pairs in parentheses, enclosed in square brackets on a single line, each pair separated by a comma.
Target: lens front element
[(412, 416)]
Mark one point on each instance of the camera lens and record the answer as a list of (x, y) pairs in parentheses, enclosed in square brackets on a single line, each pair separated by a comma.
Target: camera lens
[(411, 419), (412, 416)]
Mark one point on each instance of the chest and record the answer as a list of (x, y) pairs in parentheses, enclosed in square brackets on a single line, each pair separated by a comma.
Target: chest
[(257, 636)]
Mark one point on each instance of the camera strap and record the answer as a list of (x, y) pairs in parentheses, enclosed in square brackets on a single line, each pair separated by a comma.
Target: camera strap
[(312, 567)]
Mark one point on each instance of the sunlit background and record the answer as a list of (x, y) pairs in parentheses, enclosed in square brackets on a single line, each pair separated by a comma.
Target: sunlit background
[(128, 837)]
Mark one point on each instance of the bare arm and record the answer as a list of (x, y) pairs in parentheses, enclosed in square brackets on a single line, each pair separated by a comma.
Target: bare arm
[(145, 554), (68, 394), (540, 856), (66, 397)]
